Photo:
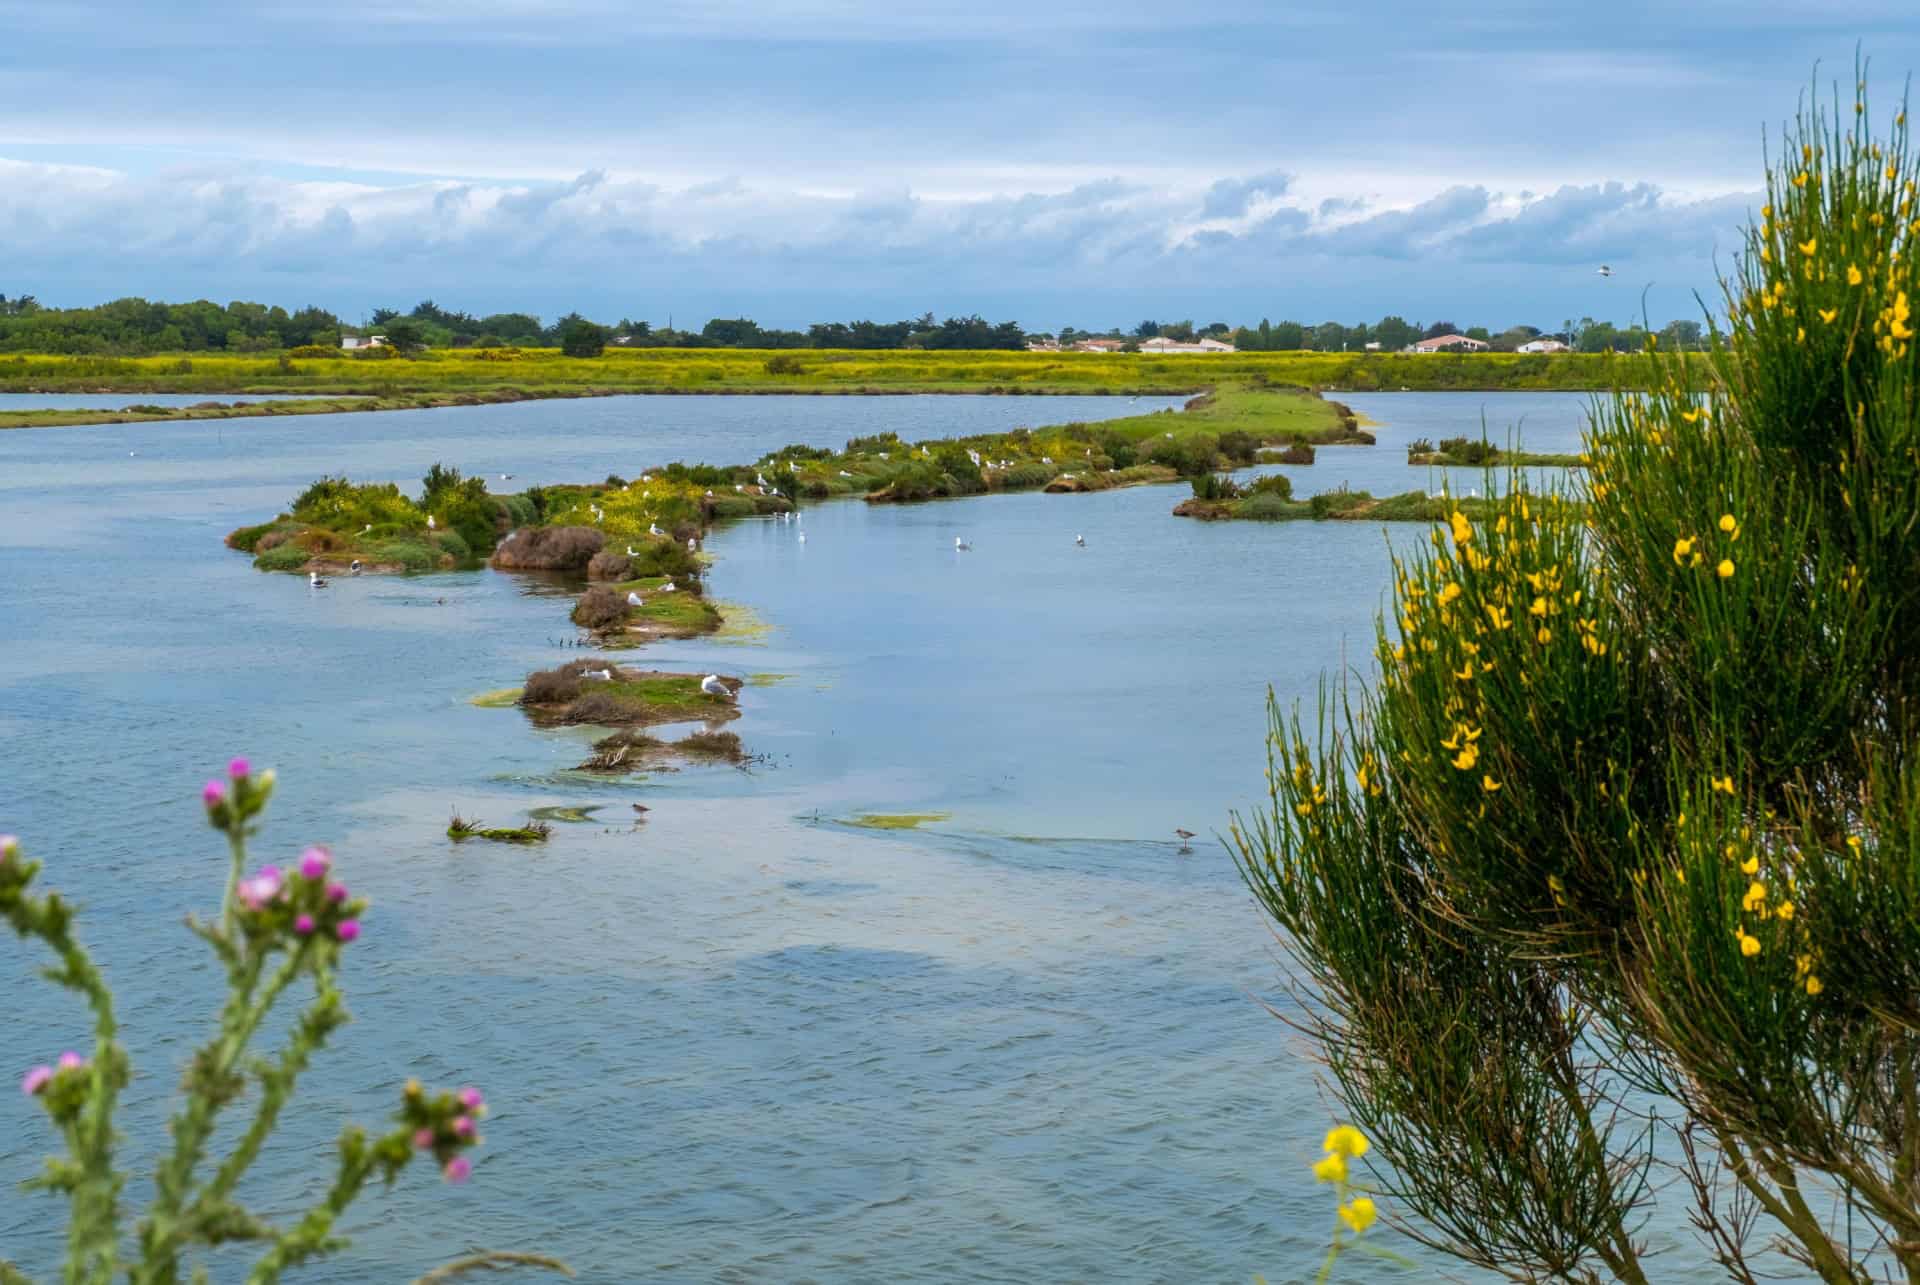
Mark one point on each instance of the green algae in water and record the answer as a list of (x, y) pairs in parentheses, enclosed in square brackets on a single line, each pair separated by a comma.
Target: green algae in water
[(499, 698), (767, 680), (566, 812), (741, 626), (896, 820)]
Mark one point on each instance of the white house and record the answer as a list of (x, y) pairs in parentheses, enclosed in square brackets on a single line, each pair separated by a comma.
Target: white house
[(1163, 345), (351, 342), (1542, 345), (1450, 343)]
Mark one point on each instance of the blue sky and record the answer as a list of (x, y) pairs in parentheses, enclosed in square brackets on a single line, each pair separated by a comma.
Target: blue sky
[(1063, 162)]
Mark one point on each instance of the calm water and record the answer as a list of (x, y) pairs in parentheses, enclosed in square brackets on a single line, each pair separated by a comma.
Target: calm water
[(743, 1042), (118, 401)]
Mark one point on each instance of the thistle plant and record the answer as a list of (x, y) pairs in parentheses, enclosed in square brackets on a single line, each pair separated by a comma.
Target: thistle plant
[(1613, 877), (278, 930)]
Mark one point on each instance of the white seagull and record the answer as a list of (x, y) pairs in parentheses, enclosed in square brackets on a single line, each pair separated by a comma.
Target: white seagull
[(314, 581), (1603, 270), (506, 477), (631, 553), (668, 587), (1080, 540), (599, 675), (653, 528), (691, 546), (803, 537), (355, 567), (634, 600), (959, 545), (712, 686)]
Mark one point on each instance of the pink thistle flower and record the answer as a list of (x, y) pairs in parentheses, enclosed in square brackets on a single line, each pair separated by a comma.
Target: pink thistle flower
[(470, 1099), (458, 1168), (262, 888), (36, 1080), (303, 924), (463, 1126), (314, 863), (423, 1138), (336, 892), (239, 769), (347, 929), (213, 794), (71, 1061)]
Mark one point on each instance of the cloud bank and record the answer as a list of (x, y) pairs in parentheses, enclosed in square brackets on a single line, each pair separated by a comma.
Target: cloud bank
[(598, 233)]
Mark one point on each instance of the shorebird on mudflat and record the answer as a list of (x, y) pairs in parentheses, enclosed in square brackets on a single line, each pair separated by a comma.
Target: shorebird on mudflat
[(1186, 840)]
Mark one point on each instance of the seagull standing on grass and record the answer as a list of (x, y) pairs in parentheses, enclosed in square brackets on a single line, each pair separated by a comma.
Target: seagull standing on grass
[(712, 686), (653, 528), (667, 587), (634, 600)]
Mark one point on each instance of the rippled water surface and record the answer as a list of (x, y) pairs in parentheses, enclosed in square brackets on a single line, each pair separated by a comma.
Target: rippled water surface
[(743, 1041)]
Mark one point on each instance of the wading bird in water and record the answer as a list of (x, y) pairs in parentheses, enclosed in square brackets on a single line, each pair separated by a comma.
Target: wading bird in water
[(959, 545), (1186, 840)]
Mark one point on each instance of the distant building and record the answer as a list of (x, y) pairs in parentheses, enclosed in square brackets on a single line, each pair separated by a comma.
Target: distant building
[(1542, 345), (351, 342), (1043, 345), (1178, 346), (1450, 343), (1100, 345), (1373, 346)]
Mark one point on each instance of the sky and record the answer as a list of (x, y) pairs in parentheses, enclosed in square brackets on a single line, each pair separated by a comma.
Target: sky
[(1067, 162)]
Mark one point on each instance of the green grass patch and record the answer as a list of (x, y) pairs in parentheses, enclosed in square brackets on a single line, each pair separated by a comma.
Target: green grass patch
[(462, 828), (498, 698)]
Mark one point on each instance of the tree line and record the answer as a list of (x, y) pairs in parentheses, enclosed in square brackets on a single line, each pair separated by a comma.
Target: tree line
[(132, 326)]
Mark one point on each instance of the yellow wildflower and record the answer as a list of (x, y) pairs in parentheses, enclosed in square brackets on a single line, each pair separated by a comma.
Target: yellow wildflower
[(1724, 784), (1358, 1214), (1730, 524), (1543, 636), (1345, 1140), (1462, 529), (1853, 841), (1466, 758), (1756, 897), (1449, 593), (1332, 1169), (1749, 945), (1488, 784), (1854, 276), (1751, 866), (1813, 986), (1784, 910), (1808, 247), (1725, 569), (1681, 548)]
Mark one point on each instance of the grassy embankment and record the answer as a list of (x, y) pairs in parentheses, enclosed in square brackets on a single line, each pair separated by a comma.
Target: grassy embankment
[(473, 376)]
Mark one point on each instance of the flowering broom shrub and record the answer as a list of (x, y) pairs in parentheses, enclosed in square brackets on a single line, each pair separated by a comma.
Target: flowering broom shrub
[(277, 929), (1615, 875)]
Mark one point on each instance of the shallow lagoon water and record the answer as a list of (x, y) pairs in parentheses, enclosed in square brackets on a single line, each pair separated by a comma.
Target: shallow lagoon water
[(740, 1042)]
